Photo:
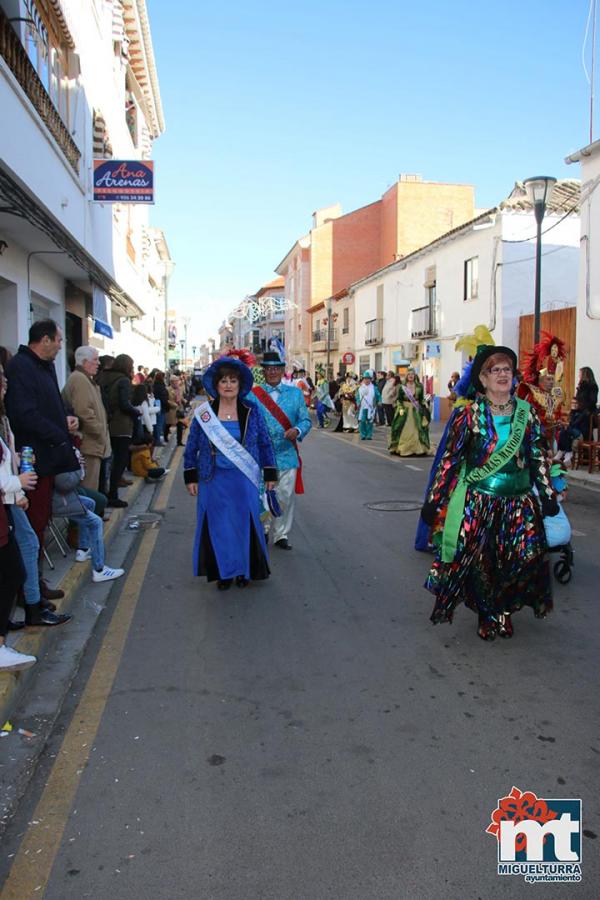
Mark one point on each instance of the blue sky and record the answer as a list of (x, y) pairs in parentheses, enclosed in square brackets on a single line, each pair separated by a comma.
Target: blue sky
[(274, 110)]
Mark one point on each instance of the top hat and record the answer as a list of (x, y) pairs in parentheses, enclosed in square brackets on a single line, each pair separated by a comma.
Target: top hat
[(211, 376), (270, 358)]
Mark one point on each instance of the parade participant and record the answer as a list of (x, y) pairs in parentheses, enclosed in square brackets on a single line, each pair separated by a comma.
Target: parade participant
[(389, 396), (227, 450), (347, 395), (543, 382), (410, 426), (324, 403), (303, 383), (486, 516), (288, 422), (367, 399)]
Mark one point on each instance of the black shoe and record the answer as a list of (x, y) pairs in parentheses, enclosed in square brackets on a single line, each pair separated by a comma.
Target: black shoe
[(15, 626), (117, 504), (48, 593), (241, 581), (223, 584), (283, 544), (36, 615)]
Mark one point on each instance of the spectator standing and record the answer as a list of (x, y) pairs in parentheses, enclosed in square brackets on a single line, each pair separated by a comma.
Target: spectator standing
[(84, 397), (162, 395), (389, 396), (122, 416), (37, 416), (381, 379)]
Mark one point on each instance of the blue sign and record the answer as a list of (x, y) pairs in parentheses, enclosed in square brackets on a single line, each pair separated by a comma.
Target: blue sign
[(433, 350), (123, 181)]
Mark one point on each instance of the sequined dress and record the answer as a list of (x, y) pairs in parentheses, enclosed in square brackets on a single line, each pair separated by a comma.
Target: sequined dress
[(499, 565)]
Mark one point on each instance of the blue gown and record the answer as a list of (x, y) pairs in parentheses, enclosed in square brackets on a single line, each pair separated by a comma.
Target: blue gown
[(229, 539)]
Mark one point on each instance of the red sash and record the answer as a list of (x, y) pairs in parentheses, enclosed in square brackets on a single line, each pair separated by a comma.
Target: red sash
[(285, 423)]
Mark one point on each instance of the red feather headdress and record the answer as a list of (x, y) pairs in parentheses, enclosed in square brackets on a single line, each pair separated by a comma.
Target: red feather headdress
[(243, 355), (535, 360)]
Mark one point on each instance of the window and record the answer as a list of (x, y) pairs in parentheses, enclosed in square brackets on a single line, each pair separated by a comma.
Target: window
[(49, 57), (346, 320), (471, 291), (363, 363)]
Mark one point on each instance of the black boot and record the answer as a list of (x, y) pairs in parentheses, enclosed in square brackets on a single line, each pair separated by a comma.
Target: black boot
[(36, 614)]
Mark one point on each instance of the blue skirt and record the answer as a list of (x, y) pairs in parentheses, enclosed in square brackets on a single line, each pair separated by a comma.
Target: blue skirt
[(229, 539)]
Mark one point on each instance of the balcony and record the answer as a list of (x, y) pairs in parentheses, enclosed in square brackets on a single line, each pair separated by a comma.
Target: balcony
[(373, 332), (12, 50), (423, 322), (320, 337)]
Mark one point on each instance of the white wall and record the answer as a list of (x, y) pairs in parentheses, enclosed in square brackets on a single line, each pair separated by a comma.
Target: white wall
[(588, 308)]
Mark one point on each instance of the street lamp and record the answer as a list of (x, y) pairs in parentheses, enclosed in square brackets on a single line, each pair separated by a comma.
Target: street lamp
[(329, 308), (194, 348), (182, 345), (539, 191)]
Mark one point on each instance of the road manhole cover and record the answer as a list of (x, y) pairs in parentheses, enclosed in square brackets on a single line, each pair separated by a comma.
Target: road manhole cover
[(395, 505)]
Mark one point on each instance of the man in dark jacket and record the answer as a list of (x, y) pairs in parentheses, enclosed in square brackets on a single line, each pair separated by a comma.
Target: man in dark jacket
[(38, 419)]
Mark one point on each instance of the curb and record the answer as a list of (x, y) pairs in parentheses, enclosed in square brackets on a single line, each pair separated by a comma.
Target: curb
[(35, 641)]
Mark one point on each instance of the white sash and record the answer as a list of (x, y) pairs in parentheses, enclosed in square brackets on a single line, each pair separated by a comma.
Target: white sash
[(227, 444)]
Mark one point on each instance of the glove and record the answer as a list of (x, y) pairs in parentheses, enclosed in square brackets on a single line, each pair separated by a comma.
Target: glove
[(550, 507), (428, 513)]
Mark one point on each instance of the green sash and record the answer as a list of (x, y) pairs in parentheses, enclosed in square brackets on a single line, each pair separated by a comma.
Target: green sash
[(498, 459)]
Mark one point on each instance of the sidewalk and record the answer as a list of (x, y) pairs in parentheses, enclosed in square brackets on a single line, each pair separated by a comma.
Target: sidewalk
[(70, 577)]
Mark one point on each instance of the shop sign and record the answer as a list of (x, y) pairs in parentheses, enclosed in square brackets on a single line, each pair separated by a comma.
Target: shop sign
[(123, 181), (348, 359), (433, 350)]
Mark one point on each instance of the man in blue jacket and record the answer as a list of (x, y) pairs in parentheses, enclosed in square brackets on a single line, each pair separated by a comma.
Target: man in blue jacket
[(288, 422)]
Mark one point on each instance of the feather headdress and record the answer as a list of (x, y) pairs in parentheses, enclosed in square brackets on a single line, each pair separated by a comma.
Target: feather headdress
[(536, 359)]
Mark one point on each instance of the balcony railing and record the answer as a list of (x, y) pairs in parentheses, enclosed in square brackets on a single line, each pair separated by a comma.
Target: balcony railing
[(373, 332), (321, 335), (20, 65), (423, 322)]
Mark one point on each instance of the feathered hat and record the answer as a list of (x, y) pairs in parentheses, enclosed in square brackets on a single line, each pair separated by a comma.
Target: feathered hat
[(536, 359), (240, 360)]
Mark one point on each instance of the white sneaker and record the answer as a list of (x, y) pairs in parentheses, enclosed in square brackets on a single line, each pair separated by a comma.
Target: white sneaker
[(107, 574), (83, 555), (13, 661)]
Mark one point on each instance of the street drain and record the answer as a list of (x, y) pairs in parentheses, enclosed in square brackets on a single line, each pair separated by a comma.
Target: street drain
[(395, 505)]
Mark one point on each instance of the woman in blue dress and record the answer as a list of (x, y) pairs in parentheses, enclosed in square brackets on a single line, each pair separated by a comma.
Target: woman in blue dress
[(228, 454)]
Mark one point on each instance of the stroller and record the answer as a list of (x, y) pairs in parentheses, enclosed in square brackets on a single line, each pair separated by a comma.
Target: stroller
[(558, 531)]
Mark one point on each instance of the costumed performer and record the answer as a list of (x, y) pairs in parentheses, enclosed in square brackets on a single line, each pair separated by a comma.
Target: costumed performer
[(227, 452), (288, 422), (543, 382), (324, 403), (367, 398), (490, 492), (347, 395), (409, 435)]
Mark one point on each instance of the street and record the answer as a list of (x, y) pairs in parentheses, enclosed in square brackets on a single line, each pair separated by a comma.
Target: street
[(313, 736)]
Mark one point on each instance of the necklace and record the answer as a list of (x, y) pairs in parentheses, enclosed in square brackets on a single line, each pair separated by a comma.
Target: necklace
[(501, 407)]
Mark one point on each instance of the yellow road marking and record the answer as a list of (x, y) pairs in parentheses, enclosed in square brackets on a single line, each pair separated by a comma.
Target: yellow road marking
[(35, 858)]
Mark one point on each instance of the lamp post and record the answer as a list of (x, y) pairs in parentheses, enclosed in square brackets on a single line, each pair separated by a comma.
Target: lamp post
[(168, 266), (182, 345), (539, 191), (194, 348), (328, 338)]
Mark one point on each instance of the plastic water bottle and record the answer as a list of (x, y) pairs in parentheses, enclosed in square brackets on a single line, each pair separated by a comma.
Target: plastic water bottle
[(27, 460)]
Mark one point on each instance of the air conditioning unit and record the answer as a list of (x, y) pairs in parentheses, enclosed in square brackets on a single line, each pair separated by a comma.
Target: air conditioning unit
[(409, 350)]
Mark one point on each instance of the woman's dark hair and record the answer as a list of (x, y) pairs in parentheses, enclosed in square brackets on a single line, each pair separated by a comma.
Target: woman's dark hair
[(106, 362), (587, 375), (224, 370), (123, 364), (41, 329), (159, 376), (139, 394), (5, 357)]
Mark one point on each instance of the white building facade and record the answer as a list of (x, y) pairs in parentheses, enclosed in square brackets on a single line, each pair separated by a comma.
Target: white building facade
[(77, 82), (413, 311)]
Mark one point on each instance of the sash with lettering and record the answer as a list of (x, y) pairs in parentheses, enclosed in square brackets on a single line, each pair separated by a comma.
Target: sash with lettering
[(227, 444), (456, 507), (285, 423)]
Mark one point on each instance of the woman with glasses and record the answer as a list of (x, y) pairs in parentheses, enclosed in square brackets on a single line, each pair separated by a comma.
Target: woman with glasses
[(227, 456), (490, 492)]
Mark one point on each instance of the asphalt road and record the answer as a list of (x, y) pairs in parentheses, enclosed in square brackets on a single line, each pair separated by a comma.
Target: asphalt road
[(315, 736)]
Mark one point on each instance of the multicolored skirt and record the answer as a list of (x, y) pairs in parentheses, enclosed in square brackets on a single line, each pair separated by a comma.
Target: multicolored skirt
[(500, 563)]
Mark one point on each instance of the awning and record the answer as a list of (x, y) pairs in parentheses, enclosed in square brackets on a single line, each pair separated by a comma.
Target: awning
[(15, 200)]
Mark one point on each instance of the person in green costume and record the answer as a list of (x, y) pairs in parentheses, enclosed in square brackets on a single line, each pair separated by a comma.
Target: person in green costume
[(410, 425), (487, 500)]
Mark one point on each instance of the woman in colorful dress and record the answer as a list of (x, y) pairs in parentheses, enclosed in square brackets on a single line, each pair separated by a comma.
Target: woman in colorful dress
[(490, 492), (410, 425), (227, 455), (347, 395)]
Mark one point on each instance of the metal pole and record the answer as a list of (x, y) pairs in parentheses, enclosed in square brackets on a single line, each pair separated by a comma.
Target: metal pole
[(165, 283), (538, 274), (328, 340)]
